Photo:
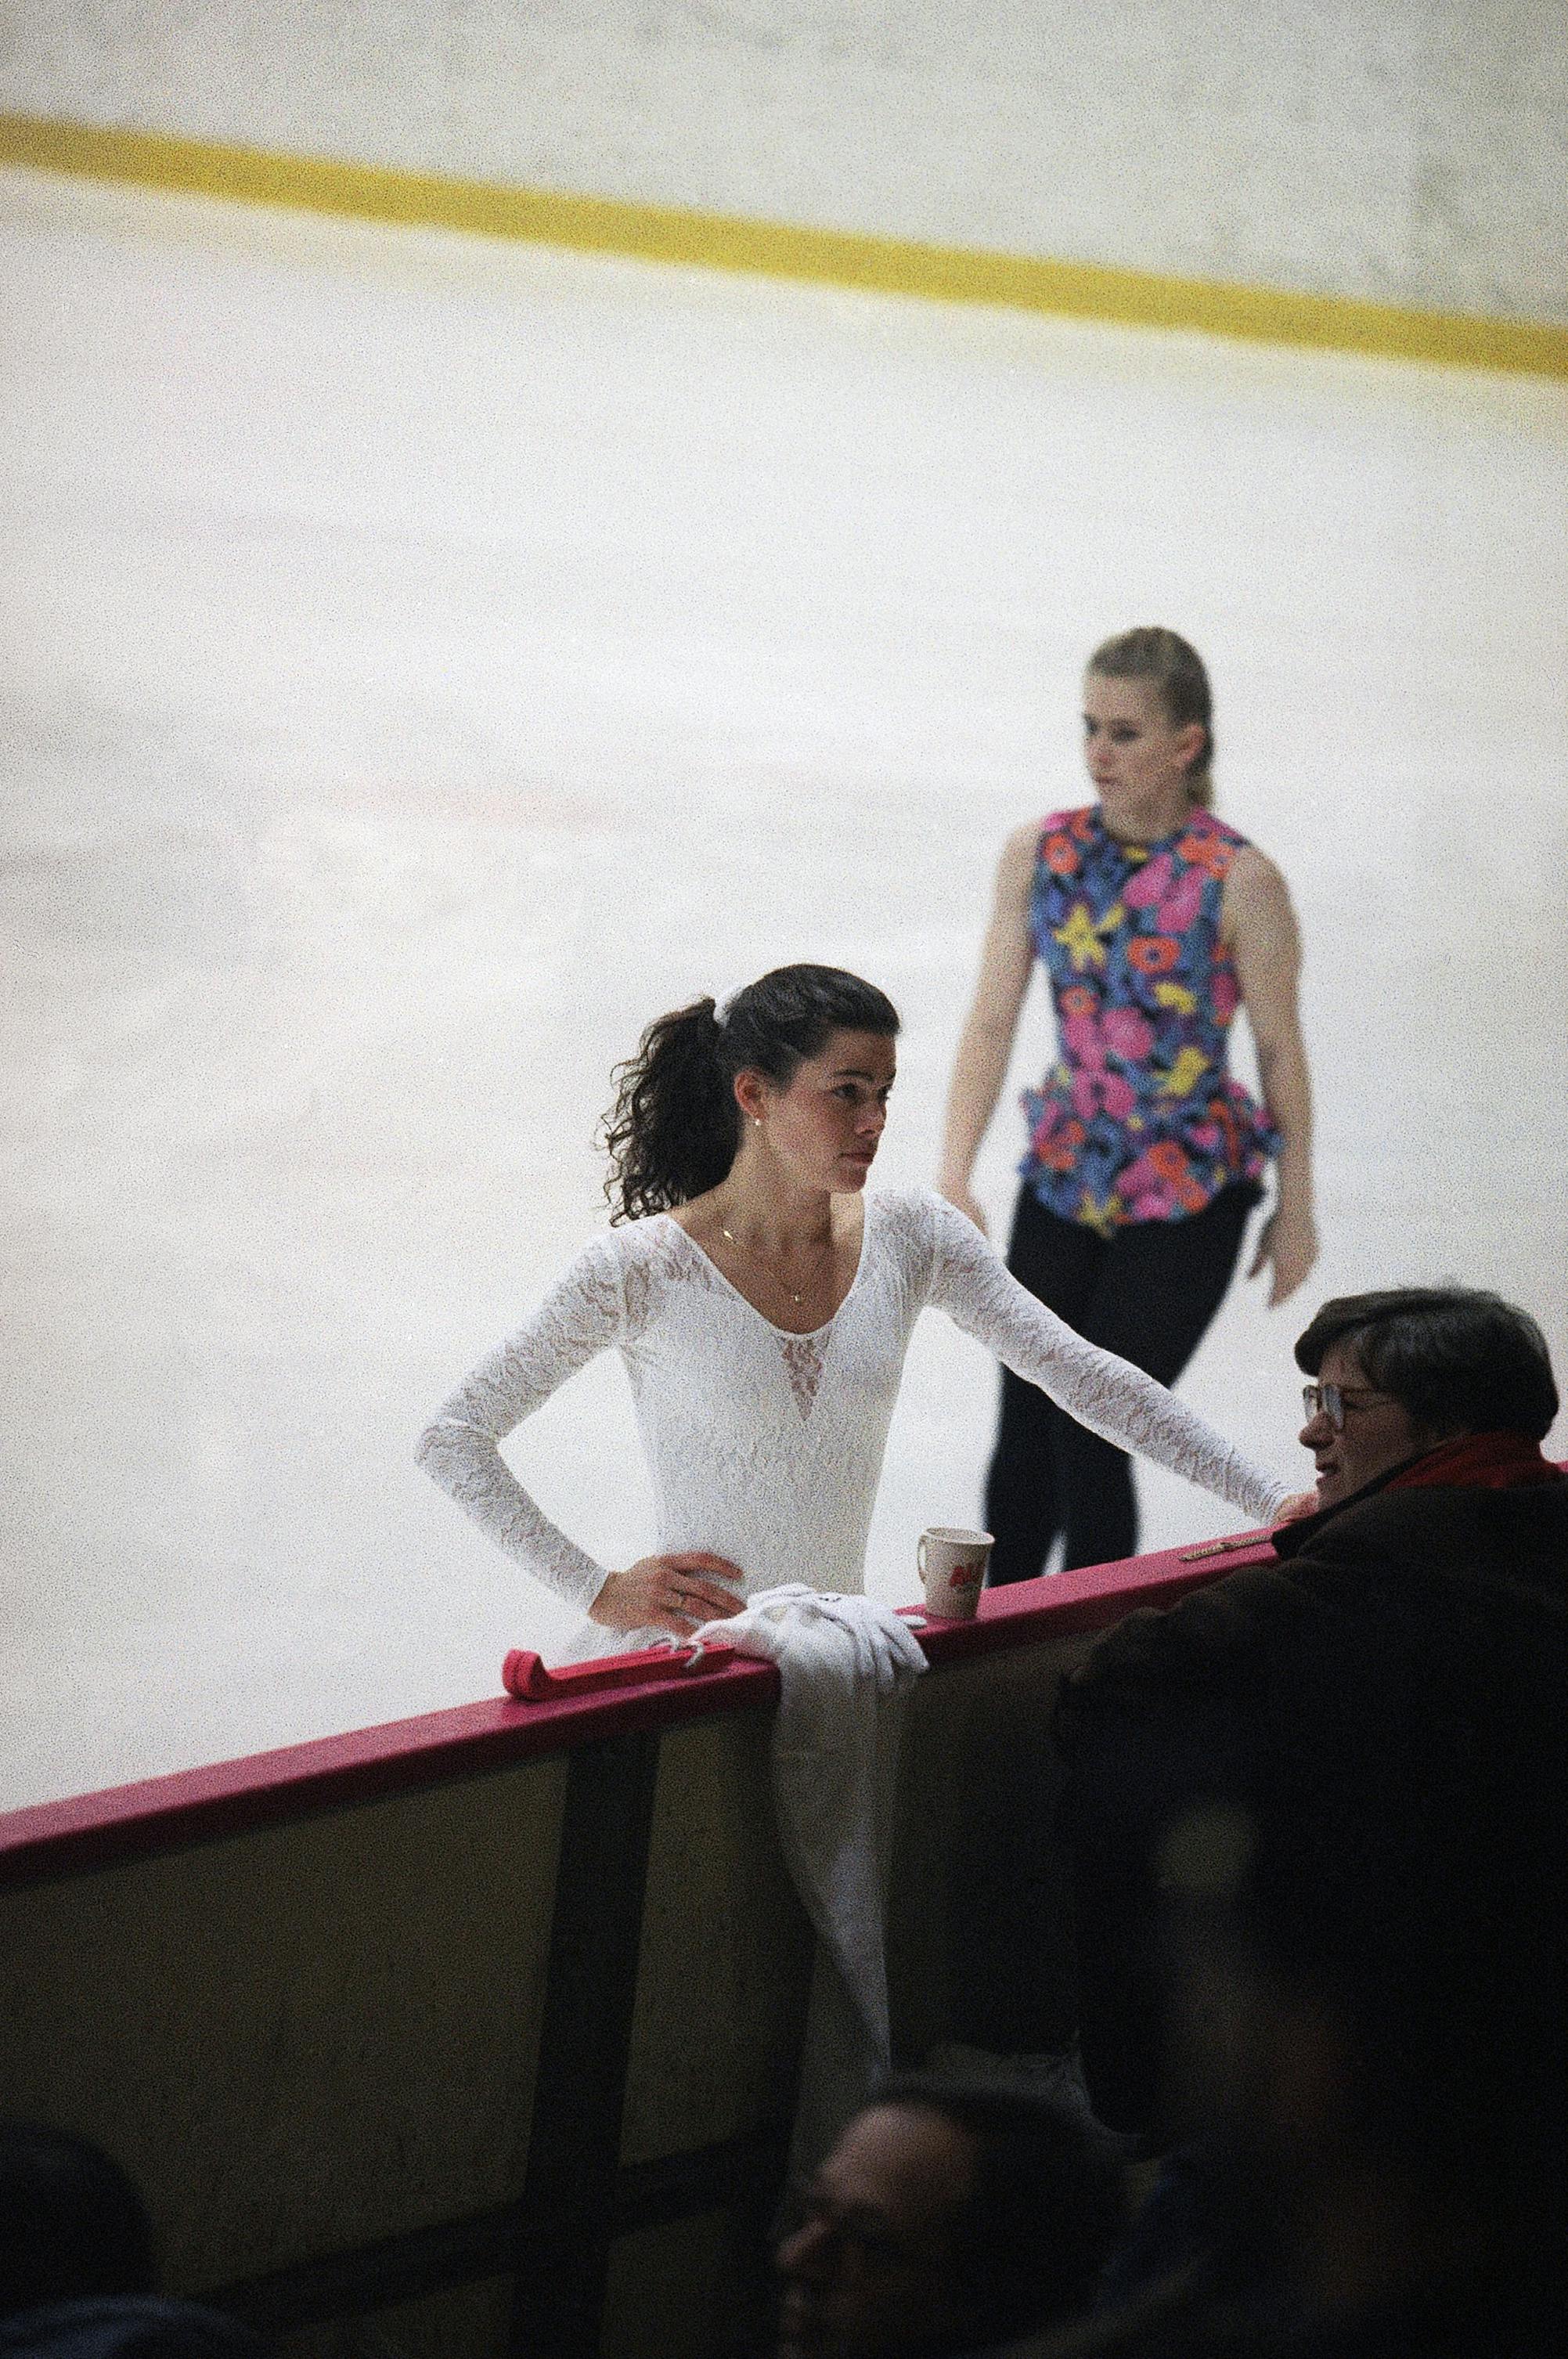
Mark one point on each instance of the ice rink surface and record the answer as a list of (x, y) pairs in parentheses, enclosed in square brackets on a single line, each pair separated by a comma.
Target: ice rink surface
[(428, 659)]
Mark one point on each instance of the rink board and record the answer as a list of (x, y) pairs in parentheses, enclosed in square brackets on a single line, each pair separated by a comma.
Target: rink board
[(485, 2025)]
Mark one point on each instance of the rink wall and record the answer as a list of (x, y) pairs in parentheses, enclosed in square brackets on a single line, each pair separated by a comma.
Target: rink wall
[(1193, 162), (487, 2024)]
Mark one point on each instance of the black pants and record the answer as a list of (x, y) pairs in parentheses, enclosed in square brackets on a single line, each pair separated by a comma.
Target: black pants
[(1148, 1292)]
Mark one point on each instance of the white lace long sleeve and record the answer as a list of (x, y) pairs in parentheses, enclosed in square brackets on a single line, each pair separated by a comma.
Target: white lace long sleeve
[(582, 1314), (971, 1282)]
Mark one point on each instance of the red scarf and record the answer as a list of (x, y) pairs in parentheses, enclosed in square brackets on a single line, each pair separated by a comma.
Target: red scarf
[(1483, 1462)]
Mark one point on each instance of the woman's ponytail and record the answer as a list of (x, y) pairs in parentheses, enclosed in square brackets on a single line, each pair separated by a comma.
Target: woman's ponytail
[(671, 1132)]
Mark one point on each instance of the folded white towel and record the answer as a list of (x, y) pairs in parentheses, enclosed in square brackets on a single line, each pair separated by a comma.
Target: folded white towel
[(846, 1665)]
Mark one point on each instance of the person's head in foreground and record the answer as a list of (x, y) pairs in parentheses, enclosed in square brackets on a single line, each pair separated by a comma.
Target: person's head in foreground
[(76, 2264), (1398, 1373), (949, 2217), (792, 1075), (1370, 2022), (72, 2226)]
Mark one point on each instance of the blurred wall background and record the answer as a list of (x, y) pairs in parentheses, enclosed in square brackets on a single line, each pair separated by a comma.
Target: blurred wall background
[(1409, 151)]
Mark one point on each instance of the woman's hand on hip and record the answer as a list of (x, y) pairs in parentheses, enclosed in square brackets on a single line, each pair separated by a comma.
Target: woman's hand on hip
[(1288, 1244), (669, 1592)]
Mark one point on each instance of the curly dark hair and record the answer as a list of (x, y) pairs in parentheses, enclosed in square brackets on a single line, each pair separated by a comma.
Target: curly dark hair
[(672, 1132)]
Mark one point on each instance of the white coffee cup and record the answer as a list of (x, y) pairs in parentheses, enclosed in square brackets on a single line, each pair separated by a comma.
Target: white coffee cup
[(953, 1570)]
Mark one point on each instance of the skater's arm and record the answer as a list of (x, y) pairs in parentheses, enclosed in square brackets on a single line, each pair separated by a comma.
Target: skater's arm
[(1108, 1394), (578, 1317), (987, 1041), (1259, 927), (582, 1313)]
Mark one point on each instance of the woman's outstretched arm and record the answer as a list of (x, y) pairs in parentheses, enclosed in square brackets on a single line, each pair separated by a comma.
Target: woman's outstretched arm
[(970, 1281), (1259, 927), (987, 1041)]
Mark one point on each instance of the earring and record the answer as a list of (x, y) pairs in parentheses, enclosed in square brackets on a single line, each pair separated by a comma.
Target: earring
[(756, 1122)]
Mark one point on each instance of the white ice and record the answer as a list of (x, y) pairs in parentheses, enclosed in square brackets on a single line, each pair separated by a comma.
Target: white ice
[(429, 659)]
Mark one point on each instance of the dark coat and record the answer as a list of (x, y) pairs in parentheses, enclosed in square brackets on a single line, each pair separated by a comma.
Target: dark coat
[(1173, 1710), (1459, 1572)]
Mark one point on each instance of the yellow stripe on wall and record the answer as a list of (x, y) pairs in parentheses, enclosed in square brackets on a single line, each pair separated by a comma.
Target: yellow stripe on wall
[(723, 241)]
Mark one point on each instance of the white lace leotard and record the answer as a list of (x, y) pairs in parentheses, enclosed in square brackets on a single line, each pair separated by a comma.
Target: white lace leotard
[(765, 1448)]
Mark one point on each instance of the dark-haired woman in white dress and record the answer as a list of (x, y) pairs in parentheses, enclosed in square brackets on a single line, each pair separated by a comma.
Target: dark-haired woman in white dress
[(762, 1302)]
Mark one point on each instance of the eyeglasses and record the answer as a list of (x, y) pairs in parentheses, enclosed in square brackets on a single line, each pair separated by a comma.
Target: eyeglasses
[(1330, 1401)]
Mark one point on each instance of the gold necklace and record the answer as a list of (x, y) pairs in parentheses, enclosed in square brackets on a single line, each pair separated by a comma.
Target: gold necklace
[(782, 1284)]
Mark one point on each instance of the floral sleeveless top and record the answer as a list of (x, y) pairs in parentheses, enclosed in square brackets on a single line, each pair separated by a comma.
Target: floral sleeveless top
[(1138, 1120)]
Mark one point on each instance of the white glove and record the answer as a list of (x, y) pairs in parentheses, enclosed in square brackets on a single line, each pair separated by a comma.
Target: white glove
[(886, 1647)]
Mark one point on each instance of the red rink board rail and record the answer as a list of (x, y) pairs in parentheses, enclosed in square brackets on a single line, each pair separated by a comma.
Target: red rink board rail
[(486, 2023), (579, 1704)]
